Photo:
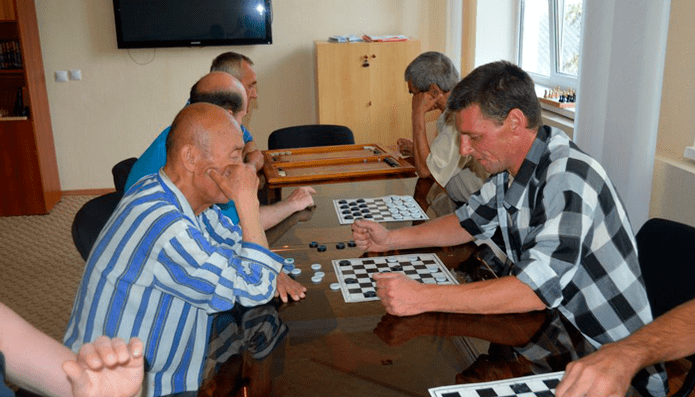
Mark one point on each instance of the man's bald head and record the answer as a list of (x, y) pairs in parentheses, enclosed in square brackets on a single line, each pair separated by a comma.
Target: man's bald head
[(221, 89), (203, 138), (198, 125)]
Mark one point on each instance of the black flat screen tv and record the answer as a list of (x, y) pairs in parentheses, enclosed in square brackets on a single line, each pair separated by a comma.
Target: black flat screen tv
[(192, 23)]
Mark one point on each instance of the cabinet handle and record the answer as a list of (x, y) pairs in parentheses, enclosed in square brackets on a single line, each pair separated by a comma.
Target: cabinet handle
[(373, 56), (365, 64)]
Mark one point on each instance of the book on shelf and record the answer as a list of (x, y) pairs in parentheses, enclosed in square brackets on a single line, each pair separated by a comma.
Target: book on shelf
[(10, 55)]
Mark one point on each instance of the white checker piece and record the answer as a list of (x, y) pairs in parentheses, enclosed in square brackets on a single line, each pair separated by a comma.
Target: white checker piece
[(528, 386), (379, 209), (357, 285)]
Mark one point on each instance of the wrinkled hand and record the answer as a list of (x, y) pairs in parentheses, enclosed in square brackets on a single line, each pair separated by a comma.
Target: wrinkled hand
[(238, 182), (301, 198), (288, 287), (424, 102), (399, 294), (107, 368), (405, 147), (255, 159), (370, 236), (605, 373)]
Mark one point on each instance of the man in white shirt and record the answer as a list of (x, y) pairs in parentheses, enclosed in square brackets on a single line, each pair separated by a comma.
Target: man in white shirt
[(431, 77)]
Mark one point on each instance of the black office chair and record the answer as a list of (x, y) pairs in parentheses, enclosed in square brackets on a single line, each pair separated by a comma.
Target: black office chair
[(667, 260), (310, 136), (94, 214)]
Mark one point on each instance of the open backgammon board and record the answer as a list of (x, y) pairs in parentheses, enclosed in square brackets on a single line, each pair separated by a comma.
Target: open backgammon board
[(330, 164)]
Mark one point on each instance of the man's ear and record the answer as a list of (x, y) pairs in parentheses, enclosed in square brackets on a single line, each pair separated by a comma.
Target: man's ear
[(189, 157), (517, 119)]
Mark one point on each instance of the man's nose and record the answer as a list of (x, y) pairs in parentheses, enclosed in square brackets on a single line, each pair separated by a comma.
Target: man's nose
[(465, 149)]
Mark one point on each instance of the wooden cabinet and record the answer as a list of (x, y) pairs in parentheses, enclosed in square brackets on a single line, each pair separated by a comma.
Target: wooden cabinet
[(361, 86), (28, 166)]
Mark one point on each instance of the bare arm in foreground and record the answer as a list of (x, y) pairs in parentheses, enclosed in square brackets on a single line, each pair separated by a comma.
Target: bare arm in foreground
[(609, 371), (36, 362)]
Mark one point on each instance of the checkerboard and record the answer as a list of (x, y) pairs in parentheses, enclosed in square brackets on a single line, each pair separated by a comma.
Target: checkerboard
[(357, 285), (378, 209), (529, 386)]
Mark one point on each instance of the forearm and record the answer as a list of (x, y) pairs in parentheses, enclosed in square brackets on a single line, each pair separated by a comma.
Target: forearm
[(440, 232), (33, 359), (498, 296), (421, 147), (669, 337), (250, 223), (273, 214)]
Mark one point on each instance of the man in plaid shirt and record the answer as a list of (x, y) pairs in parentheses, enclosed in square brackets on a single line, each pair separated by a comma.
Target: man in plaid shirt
[(563, 224)]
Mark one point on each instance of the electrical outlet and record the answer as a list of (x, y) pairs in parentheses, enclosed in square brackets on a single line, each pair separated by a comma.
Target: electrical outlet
[(61, 76), (75, 74)]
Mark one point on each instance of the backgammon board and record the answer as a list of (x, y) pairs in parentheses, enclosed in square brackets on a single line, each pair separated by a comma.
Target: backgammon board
[(331, 164)]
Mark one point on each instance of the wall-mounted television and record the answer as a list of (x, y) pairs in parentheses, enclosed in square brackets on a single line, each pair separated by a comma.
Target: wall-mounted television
[(192, 23)]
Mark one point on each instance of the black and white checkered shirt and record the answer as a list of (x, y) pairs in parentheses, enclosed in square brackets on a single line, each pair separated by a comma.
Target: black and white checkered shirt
[(568, 235)]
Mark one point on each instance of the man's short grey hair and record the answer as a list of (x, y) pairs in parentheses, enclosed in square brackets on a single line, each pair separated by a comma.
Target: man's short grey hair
[(432, 68), (230, 62)]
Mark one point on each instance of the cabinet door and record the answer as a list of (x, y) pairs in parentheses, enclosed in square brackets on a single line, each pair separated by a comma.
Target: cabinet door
[(391, 103), (343, 86)]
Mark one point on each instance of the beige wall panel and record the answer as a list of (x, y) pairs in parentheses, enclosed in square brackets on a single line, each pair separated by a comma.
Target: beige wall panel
[(126, 97)]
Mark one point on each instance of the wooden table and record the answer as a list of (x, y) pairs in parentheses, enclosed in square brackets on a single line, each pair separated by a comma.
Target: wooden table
[(322, 346)]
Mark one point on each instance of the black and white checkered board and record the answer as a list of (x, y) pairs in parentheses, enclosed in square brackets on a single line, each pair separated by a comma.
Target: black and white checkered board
[(528, 386), (379, 209), (357, 285)]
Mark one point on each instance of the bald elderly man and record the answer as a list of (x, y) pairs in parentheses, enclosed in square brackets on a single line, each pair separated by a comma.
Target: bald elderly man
[(224, 90), (221, 88), (168, 260)]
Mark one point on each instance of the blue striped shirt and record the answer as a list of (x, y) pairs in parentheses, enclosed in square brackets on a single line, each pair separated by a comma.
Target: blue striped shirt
[(157, 271)]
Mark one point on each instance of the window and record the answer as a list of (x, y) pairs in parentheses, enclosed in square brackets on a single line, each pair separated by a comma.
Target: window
[(550, 41)]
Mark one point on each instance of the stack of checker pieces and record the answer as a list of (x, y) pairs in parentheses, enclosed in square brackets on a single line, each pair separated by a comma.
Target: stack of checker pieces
[(379, 209)]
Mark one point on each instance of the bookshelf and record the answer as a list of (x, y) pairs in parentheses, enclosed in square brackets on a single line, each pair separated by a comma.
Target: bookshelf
[(29, 175)]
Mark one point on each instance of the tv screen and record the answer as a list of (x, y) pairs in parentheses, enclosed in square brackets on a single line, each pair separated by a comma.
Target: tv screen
[(187, 23)]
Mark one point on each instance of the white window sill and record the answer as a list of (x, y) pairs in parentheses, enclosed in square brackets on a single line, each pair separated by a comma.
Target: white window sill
[(558, 118), (564, 112), (689, 153)]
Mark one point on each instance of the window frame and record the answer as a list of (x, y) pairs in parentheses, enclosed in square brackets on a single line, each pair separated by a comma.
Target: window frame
[(555, 78)]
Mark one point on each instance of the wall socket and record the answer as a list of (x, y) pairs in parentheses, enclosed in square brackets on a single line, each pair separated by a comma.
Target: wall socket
[(75, 74), (61, 76)]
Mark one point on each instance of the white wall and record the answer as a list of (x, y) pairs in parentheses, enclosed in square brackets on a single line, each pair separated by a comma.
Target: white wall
[(496, 27), (673, 190), (121, 105)]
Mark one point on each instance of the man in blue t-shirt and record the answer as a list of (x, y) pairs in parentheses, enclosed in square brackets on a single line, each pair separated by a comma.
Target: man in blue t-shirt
[(224, 90)]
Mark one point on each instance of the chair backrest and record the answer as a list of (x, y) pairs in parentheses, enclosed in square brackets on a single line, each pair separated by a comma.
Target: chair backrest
[(90, 219), (121, 171), (667, 260), (310, 136), (94, 214)]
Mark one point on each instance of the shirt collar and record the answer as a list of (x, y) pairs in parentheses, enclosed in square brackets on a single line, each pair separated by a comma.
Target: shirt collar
[(174, 195), (528, 168)]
